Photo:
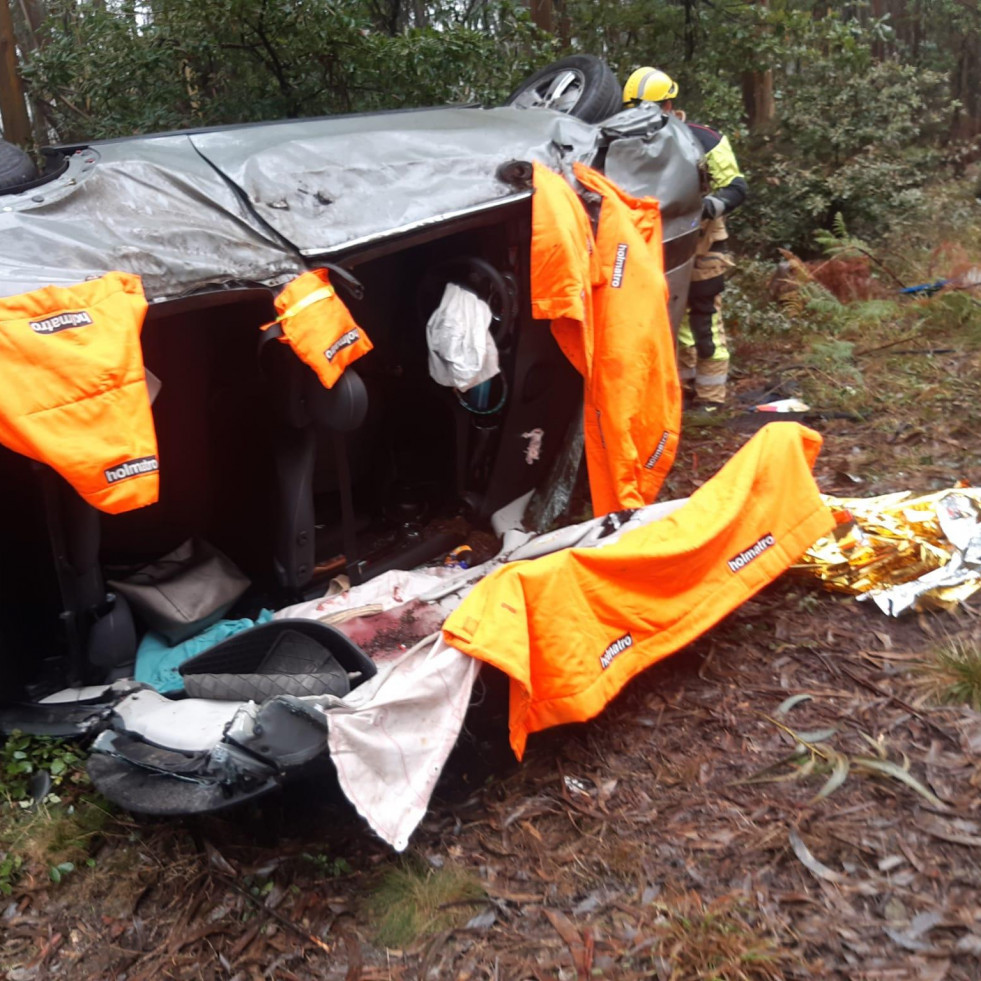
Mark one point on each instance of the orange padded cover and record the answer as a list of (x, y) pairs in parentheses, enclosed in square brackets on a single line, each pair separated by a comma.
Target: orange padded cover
[(606, 297), (572, 628), (73, 391), (633, 400), (319, 327)]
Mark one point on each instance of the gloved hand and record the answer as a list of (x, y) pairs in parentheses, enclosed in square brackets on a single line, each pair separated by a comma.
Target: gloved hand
[(713, 207)]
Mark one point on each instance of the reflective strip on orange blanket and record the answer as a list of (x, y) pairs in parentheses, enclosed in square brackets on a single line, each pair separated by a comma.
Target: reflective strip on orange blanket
[(572, 628), (73, 391), (319, 327), (633, 398)]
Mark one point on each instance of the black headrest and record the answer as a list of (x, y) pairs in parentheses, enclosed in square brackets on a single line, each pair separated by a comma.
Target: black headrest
[(301, 400), (341, 408)]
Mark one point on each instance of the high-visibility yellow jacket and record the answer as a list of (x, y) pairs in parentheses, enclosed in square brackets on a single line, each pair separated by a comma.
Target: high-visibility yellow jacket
[(726, 182), (572, 628), (73, 390)]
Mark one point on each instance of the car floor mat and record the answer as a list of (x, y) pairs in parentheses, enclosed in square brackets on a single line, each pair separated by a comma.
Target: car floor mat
[(285, 657), (295, 664)]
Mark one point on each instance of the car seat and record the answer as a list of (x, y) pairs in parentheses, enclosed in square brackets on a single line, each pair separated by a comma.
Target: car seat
[(302, 406), (99, 627)]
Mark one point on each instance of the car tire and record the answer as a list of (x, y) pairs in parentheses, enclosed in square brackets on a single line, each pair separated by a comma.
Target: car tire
[(16, 166), (580, 85)]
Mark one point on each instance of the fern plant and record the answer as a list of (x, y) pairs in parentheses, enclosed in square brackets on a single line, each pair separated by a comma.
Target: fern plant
[(837, 241)]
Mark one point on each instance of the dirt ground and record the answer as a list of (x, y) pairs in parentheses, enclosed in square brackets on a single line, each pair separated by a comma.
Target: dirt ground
[(674, 837)]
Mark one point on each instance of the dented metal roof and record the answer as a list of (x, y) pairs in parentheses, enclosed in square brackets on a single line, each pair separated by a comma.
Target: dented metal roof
[(257, 204)]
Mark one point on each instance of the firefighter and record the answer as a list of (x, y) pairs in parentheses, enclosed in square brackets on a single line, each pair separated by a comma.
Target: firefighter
[(703, 356)]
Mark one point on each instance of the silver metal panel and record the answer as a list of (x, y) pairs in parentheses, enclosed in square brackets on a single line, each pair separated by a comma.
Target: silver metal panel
[(323, 184), (246, 205), (151, 207)]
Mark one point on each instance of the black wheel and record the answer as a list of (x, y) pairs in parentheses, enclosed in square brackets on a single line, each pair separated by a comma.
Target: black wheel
[(580, 85), (16, 167)]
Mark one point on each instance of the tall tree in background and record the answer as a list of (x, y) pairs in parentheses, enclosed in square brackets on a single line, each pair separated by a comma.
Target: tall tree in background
[(100, 69), (542, 14), (757, 86), (939, 35), (967, 80), (13, 108)]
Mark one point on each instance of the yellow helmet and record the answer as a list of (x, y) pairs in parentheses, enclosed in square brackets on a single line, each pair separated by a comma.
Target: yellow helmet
[(649, 85)]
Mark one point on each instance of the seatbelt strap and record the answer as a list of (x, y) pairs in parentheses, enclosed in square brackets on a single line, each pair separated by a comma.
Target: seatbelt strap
[(349, 535)]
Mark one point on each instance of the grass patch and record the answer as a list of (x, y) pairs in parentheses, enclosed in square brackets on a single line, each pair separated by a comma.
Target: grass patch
[(50, 819), (717, 941), (50, 841), (413, 901), (953, 674)]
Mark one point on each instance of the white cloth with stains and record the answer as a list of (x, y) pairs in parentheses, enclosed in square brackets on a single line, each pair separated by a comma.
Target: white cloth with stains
[(390, 737)]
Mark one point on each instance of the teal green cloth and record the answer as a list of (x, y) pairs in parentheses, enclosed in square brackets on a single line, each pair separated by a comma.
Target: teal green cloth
[(157, 663)]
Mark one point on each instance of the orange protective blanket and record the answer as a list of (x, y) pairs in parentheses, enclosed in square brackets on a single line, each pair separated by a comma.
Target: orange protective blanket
[(606, 296), (73, 389), (564, 266), (572, 628), (319, 327), (633, 398)]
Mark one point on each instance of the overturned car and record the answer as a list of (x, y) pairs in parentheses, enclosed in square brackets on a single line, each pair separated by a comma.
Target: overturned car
[(242, 566)]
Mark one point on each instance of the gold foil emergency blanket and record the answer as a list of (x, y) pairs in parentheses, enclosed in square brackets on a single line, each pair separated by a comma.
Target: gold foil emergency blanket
[(902, 552)]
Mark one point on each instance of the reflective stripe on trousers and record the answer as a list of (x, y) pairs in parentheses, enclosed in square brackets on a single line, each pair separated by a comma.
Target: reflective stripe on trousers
[(704, 377)]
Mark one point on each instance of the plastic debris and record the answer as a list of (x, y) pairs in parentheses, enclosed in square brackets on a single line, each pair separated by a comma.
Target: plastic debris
[(783, 405), (900, 552), (534, 449), (928, 288), (459, 558)]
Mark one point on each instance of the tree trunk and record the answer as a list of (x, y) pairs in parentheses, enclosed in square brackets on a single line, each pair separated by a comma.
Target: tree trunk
[(757, 87), (564, 22), (878, 48), (691, 29), (33, 15), (966, 86), (13, 108), (541, 14), (758, 99), (27, 30)]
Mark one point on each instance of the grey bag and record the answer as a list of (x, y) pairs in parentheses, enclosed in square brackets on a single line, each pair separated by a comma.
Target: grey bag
[(185, 591)]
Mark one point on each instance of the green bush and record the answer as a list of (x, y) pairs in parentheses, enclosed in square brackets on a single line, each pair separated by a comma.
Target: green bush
[(106, 71), (22, 756), (860, 144)]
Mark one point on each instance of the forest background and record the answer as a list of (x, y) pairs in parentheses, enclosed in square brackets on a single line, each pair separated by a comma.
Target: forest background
[(846, 109)]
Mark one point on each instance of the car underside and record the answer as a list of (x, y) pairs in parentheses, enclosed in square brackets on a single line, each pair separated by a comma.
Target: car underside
[(292, 485)]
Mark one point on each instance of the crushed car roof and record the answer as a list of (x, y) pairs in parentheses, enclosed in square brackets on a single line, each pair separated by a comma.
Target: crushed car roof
[(254, 204)]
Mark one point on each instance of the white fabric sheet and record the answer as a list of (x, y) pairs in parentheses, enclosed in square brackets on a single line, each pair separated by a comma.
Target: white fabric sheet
[(391, 736)]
